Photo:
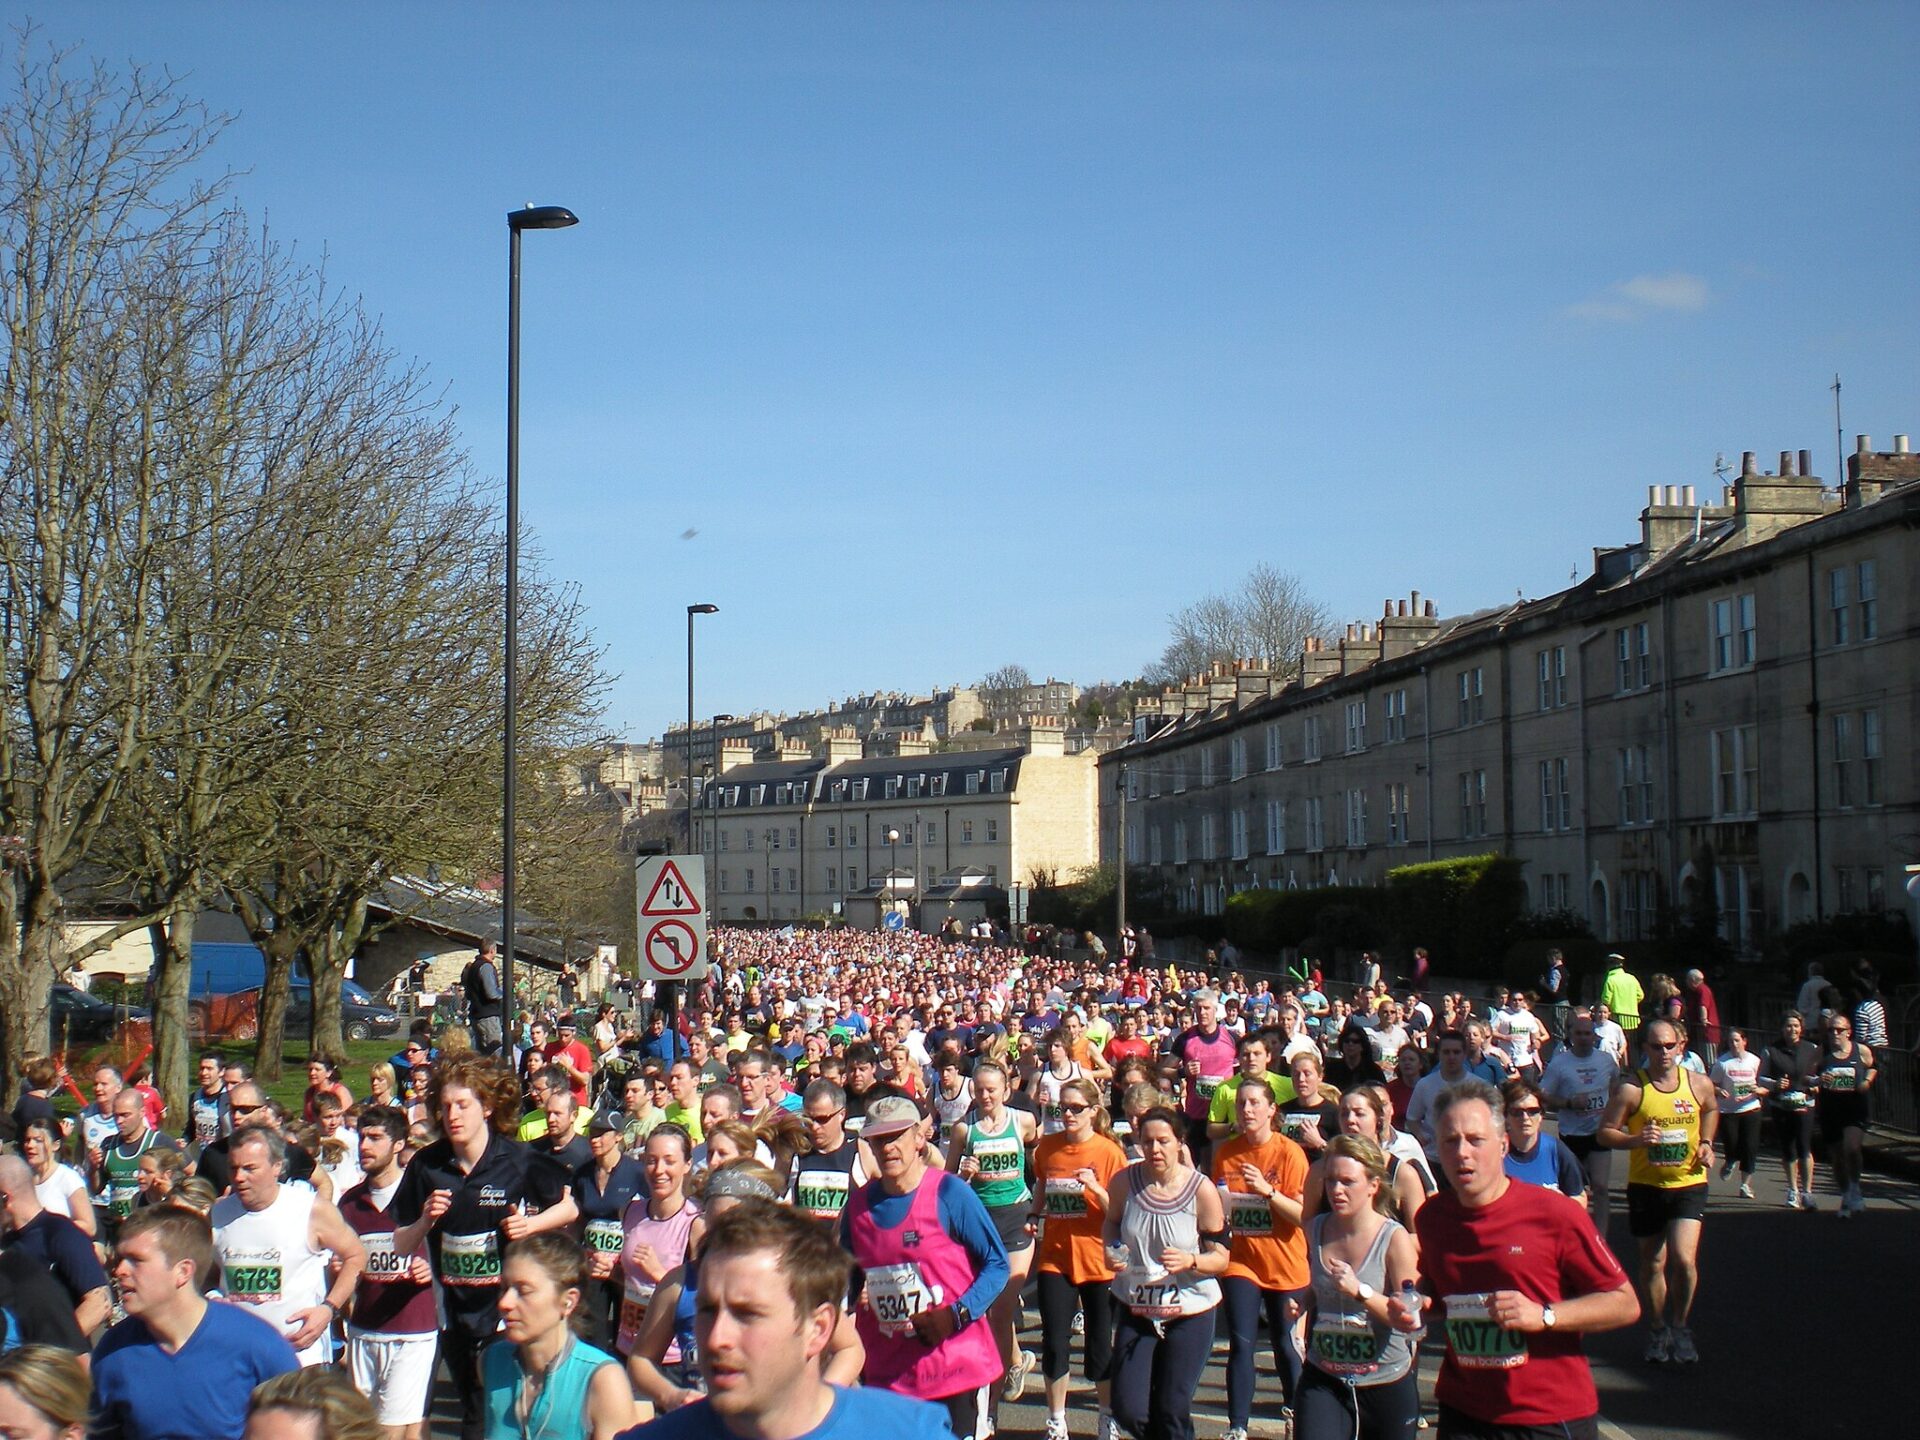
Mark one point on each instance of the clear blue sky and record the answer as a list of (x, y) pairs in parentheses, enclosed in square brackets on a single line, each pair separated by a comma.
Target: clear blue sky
[(973, 333)]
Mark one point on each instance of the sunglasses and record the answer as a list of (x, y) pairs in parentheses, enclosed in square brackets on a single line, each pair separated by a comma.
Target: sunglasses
[(1075, 1109), (1526, 1112)]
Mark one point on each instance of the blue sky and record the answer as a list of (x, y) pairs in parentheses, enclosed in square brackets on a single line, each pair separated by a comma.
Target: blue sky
[(974, 333)]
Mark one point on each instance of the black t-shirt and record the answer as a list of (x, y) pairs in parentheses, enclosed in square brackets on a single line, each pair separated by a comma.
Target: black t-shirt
[(216, 1166), (40, 1310), (575, 1157), (64, 1249), (28, 1108), (465, 1243)]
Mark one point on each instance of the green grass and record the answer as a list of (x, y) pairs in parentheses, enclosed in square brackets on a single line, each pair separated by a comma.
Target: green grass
[(290, 1089)]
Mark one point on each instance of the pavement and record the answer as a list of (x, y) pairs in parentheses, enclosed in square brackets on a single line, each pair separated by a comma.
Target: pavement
[(1894, 1153)]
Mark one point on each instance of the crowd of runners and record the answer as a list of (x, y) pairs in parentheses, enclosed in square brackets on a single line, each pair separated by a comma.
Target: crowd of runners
[(833, 1186)]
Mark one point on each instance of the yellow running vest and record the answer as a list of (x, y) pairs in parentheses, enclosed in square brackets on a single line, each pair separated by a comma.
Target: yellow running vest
[(1672, 1122)]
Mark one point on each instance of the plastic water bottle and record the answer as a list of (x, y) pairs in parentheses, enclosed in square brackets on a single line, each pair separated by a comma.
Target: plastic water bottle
[(1410, 1300)]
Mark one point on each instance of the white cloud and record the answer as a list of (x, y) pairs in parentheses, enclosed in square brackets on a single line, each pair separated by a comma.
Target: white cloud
[(1644, 295)]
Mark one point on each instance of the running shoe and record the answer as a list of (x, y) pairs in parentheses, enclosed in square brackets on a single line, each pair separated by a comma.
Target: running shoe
[(1107, 1429), (1682, 1351), (1726, 1170), (1018, 1374), (1809, 1201), (1746, 1190), (1079, 1322), (1237, 1432), (1659, 1346), (1057, 1428), (1793, 1199)]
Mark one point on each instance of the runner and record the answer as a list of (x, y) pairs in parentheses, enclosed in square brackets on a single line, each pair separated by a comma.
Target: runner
[(467, 1193), (539, 1379), (1789, 1075), (208, 1115), (931, 1264), (1665, 1118), (1060, 1070), (1360, 1378), (392, 1335), (1207, 1053), (1845, 1087), (1516, 1274), (602, 1193), (120, 1159), (836, 1165), (1262, 1178), (60, 1187), (1165, 1233), (275, 1242), (656, 1224), (1532, 1155), (989, 1152), (1366, 1114), (1736, 1084), (1310, 1119), (1072, 1170), (1579, 1081), (1255, 1062)]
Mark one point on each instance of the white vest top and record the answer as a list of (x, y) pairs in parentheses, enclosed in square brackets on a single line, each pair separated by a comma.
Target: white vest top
[(268, 1262)]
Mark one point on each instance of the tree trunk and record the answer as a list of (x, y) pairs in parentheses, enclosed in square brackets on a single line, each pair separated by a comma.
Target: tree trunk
[(328, 961), (30, 930), (279, 946), (167, 994)]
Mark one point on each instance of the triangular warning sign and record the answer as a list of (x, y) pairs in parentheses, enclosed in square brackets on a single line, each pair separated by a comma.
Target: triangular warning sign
[(670, 895)]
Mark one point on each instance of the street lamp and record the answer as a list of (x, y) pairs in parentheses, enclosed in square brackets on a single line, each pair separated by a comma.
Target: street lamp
[(693, 610), (713, 819), (533, 217), (893, 839)]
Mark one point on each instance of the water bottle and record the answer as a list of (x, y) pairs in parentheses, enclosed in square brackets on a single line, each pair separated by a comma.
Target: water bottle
[(1410, 1301)]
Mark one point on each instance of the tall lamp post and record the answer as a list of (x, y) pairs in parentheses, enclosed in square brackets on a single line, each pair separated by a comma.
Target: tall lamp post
[(713, 821), (893, 839), (533, 217), (669, 996)]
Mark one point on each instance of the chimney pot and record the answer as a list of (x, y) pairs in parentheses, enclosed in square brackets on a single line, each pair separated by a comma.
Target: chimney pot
[(1747, 465), (1403, 608), (1387, 610), (1863, 444), (1416, 602), (1899, 444), (1806, 462), (1431, 611), (1786, 463), (1686, 495), (1653, 496)]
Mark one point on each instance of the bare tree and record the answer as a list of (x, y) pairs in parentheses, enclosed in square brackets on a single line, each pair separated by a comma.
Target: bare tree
[(1265, 619)]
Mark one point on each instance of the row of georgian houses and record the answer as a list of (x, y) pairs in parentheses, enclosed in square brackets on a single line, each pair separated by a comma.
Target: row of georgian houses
[(1726, 705)]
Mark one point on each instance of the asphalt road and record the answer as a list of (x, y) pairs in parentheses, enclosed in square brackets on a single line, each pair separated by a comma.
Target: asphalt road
[(1807, 1326)]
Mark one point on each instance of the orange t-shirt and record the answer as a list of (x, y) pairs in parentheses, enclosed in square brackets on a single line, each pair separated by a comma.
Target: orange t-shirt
[(1070, 1243), (1277, 1259)]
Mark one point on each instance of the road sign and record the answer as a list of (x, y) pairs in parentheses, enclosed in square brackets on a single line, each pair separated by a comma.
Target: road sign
[(673, 916), (894, 920)]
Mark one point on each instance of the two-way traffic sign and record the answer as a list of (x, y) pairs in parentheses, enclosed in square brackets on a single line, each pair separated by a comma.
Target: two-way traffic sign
[(673, 916)]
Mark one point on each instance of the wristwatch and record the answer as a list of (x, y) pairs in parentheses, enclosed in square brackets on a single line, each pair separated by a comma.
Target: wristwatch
[(1366, 1292), (1547, 1317), (962, 1316)]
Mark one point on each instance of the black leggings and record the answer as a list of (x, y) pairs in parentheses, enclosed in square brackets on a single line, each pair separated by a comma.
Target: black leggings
[(1244, 1302), (1059, 1298), (1324, 1406), (1156, 1369), (1793, 1132), (1742, 1134)]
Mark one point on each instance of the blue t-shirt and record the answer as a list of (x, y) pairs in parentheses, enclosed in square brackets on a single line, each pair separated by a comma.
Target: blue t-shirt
[(856, 1415), (1553, 1165), (200, 1392)]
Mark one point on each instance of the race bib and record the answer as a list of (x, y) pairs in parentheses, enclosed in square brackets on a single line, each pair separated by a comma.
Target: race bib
[(1297, 1124), (206, 1124), (633, 1304), (1477, 1341), (895, 1294), (1591, 1103), (822, 1193), (252, 1277), (1841, 1082), (470, 1259), (1066, 1197), (604, 1237), (1249, 1214), (1795, 1100), (1345, 1345), (384, 1263), (1155, 1296), (120, 1197), (1207, 1084), (1670, 1148), (1742, 1089), (998, 1159)]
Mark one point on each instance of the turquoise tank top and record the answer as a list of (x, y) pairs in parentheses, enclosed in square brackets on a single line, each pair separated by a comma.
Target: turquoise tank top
[(561, 1411)]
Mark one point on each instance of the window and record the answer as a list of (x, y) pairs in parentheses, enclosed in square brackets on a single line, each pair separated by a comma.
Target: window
[(1876, 890), (999, 783), (1554, 889), (793, 837), (1638, 904), (893, 787), (1153, 845), (1316, 825), (1472, 696), (1736, 773), (993, 831), (933, 832), (1399, 816), (1737, 893), (1870, 757), (1356, 819), (1473, 804), (1633, 662), (1634, 769), (773, 838), (724, 877), (724, 837), (853, 878), (1208, 849), (1556, 800), (973, 782), (1845, 898), (1206, 766), (1274, 757), (1843, 758), (1552, 666), (833, 877), (1179, 842), (1839, 606), (749, 879), (1237, 833), (747, 838), (966, 832), (939, 786), (1396, 708), (1237, 758), (1276, 827), (773, 879), (833, 836), (1867, 589), (1730, 624), (793, 881), (1132, 783), (1356, 726), (1133, 844), (853, 838), (1856, 759), (1310, 739)]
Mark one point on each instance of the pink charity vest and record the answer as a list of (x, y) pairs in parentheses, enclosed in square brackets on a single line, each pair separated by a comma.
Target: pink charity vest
[(913, 1267)]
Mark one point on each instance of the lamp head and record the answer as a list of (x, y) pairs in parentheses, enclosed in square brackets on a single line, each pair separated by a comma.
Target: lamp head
[(703, 609), (541, 217)]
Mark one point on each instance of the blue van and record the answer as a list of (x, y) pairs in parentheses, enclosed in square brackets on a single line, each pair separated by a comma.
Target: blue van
[(225, 997)]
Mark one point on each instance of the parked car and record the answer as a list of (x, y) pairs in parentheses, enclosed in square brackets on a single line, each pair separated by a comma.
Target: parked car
[(225, 999), (80, 1018)]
